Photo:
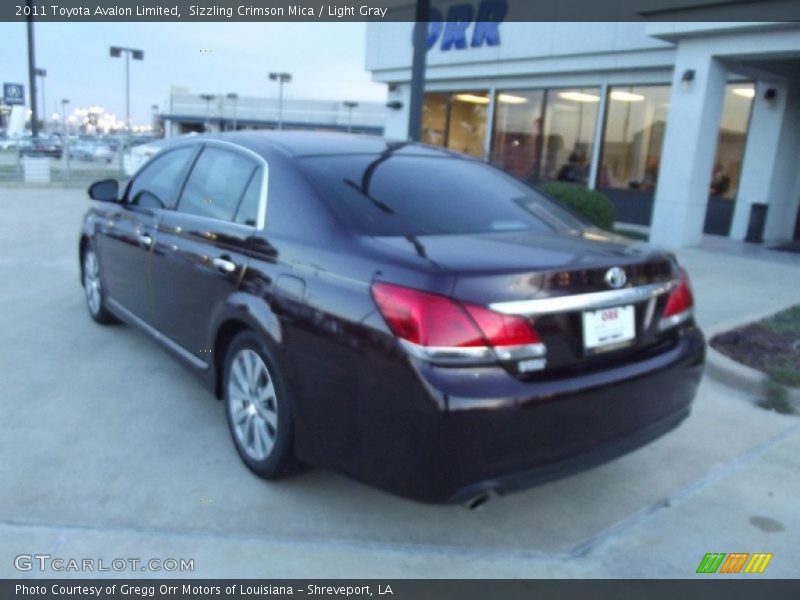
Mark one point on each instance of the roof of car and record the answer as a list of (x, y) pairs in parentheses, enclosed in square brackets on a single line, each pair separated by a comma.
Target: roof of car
[(318, 143)]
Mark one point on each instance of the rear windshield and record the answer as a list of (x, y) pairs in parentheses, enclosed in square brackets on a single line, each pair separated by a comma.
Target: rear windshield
[(406, 195)]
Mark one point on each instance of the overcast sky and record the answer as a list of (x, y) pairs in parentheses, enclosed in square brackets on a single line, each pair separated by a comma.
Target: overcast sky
[(325, 59)]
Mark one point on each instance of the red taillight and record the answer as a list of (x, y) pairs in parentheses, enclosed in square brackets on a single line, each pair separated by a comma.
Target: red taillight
[(432, 320), (681, 299)]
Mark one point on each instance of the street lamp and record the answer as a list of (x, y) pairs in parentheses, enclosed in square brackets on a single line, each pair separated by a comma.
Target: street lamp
[(116, 52), (234, 97), (208, 98), (350, 106), (42, 73), (281, 78), (64, 103), (154, 108)]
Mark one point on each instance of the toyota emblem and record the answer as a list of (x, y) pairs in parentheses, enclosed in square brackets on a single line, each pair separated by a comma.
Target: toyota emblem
[(616, 278)]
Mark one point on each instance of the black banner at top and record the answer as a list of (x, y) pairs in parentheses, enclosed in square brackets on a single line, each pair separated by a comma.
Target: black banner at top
[(397, 10)]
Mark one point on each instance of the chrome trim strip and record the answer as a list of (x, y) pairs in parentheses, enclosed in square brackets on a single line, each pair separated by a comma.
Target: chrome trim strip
[(675, 320), (127, 315), (590, 301), (445, 355)]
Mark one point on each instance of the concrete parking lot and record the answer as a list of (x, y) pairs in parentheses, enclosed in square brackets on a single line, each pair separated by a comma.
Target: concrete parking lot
[(109, 448)]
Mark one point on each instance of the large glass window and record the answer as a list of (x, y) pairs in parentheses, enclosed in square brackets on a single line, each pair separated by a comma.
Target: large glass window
[(517, 136), (456, 121), (543, 135), (636, 118), (730, 142), (434, 119)]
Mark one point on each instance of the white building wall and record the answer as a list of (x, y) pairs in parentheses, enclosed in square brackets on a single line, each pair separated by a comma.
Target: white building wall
[(547, 55)]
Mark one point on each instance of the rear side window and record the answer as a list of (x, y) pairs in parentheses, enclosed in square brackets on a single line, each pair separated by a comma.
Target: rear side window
[(394, 194), (156, 185), (216, 185), (248, 209)]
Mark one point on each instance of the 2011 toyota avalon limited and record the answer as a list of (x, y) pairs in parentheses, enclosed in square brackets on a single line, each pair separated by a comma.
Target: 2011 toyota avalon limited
[(414, 318)]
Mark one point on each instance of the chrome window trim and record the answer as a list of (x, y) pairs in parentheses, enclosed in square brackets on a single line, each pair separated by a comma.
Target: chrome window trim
[(261, 218), (590, 301)]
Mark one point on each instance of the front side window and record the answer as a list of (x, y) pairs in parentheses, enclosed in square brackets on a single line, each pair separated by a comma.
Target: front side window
[(217, 184), (410, 195), (156, 185)]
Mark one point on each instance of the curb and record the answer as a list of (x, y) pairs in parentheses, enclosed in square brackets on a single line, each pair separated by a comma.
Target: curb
[(727, 371)]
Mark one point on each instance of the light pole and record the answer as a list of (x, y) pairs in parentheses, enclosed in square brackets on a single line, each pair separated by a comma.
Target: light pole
[(421, 17), (64, 103), (350, 106), (32, 71), (154, 108), (234, 97), (281, 78), (116, 52), (208, 98), (41, 74)]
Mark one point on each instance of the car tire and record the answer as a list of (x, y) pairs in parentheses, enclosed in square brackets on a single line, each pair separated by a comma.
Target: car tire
[(94, 288), (258, 407)]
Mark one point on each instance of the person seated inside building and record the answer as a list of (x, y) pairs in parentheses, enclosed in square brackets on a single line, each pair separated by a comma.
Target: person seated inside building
[(574, 169), (720, 183)]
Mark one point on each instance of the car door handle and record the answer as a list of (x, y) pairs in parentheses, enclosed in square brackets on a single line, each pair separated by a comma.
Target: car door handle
[(145, 240), (224, 265)]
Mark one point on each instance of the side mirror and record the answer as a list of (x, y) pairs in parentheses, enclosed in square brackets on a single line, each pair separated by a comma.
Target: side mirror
[(105, 190)]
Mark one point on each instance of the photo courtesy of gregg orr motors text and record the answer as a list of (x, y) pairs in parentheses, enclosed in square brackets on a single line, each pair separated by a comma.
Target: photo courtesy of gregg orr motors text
[(188, 589)]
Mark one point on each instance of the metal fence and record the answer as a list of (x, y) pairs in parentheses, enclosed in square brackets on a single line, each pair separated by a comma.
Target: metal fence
[(16, 170)]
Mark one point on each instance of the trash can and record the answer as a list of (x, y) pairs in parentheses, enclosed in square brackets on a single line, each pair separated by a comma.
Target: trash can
[(758, 220)]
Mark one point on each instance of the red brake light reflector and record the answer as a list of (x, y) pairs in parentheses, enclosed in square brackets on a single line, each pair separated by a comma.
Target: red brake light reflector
[(432, 320), (680, 299)]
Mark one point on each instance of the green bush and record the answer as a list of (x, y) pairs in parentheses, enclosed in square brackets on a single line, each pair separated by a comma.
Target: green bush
[(589, 204)]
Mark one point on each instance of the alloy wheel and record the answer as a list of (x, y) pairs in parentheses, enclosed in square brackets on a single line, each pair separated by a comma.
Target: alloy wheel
[(91, 282), (252, 404)]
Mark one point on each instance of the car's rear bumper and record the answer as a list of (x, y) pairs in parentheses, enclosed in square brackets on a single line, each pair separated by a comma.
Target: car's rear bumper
[(492, 431)]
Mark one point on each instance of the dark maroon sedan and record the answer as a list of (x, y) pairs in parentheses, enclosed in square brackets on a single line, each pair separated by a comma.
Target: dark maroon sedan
[(411, 317)]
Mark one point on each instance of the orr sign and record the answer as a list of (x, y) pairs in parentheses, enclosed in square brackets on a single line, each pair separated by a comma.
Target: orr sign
[(453, 30)]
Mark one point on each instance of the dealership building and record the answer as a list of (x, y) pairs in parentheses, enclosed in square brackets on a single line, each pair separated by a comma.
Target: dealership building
[(689, 128), (185, 111)]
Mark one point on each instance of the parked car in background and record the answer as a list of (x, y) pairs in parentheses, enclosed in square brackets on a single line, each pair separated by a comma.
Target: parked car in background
[(8, 143), (93, 151), (417, 319), (41, 146)]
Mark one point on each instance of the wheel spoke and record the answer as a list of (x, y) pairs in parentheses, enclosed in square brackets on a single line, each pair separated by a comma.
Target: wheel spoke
[(261, 434), (265, 393), (248, 369), (239, 413), (239, 377), (271, 418)]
